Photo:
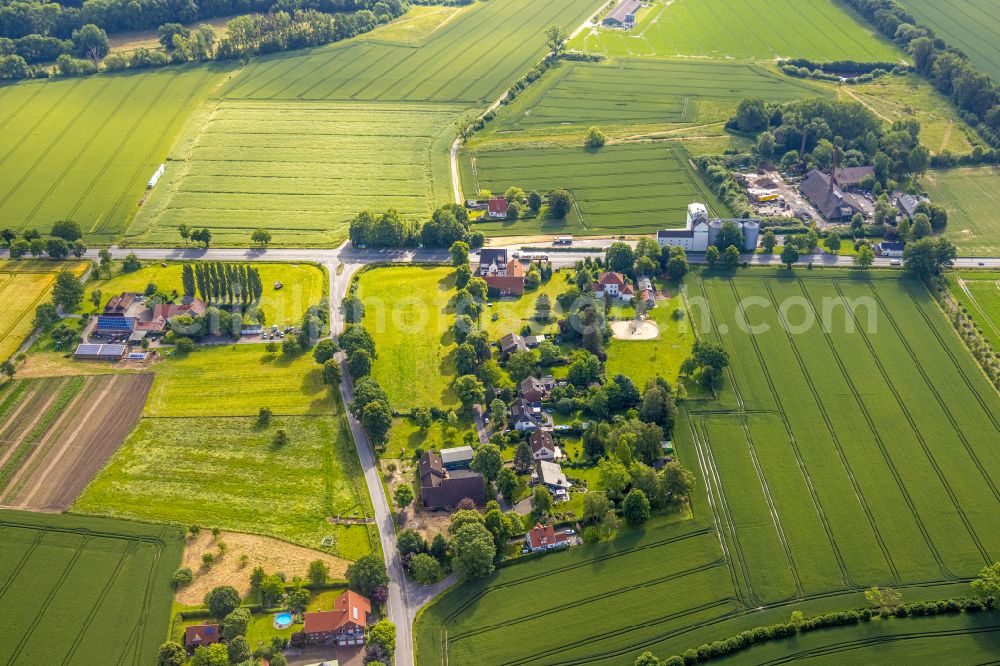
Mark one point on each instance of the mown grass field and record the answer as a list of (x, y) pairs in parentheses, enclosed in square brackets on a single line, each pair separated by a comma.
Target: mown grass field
[(237, 380), (406, 312), (646, 92), (227, 473), (630, 188), (979, 293), (816, 479), (301, 170), (302, 286), (84, 590), (971, 25), (470, 59), (972, 197), (642, 360), (757, 30), (24, 285), (85, 148)]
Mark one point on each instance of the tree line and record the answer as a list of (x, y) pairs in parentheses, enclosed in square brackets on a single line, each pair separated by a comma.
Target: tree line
[(222, 282), (65, 239)]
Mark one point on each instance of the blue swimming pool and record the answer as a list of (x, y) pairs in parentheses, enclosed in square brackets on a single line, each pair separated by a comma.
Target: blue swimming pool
[(282, 620)]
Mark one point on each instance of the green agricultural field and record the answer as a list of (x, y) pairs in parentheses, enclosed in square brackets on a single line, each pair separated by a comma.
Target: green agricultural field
[(85, 148), (237, 380), (470, 59), (406, 312), (646, 93), (979, 293), (228, 473), (631, 188), (971, 25), (301, 170), (302, 286), (972, 197), (642, 360), (84, 590), (23, 286), (753, 30)]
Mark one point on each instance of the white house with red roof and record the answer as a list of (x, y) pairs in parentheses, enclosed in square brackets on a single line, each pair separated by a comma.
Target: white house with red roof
[(613, 285), (496, 207), (545, 537)]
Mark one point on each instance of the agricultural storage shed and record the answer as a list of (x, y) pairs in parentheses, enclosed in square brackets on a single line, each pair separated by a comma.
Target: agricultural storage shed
[(92, 352)]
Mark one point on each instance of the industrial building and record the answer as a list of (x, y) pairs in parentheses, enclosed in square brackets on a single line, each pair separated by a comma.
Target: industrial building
[(700, 231)]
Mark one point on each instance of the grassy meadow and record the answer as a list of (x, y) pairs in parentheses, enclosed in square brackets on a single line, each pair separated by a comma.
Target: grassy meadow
[(972, 197), (971, 25), (642, 360), (84, 148), (647, 93), (979, 293), (301, 170), (406, 311), (303, 286), (755, 30), (228, 473), (84, 590), (631, 188), (237, 380), (25, 284)]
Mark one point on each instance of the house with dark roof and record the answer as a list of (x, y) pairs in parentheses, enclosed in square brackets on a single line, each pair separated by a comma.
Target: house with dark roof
[(907, 203), (851, 176), (535, 389), (441, 488), (543, 446), (891, 249), (197, 635), (526, 415), (492, 262), (459, 457), (496, 207), (511, 343), (545, 537), (623, 15), (510, 283), (833, 203), (119, 304), (344, 624)]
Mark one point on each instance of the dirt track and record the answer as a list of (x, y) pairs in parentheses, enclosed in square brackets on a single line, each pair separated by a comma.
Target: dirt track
[(78, 443)]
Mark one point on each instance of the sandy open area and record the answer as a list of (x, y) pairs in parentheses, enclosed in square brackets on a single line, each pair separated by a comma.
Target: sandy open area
[(633, 330)]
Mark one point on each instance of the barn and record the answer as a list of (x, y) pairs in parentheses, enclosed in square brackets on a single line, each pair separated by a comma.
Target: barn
[(92, 352), (622, 16)]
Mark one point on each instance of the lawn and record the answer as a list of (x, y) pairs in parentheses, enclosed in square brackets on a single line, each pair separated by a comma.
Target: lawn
[(971, 25), (632, 188), (301, 170), (84, 590), (470, 59), (84, 148), (23, 286), (979, 293), (406, 311), (642, 360), (647, 93), (302, 286), (752, 30), (228, 473), (972, 197), (237, 380)]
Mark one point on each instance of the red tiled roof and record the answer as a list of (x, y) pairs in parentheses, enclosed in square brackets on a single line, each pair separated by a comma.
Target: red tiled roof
[(201, 634), (539, 536), (168, 310), (498, 205), (611, 278), (515, 268), (510, 284), (350, 608)]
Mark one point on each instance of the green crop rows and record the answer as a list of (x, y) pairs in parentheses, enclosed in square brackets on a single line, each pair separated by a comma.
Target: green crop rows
[(628, 188), (753, 29), (85, 148), (84, 590), (453, 65), (645, 92), (971, 25), (302, 170), (972, 197)]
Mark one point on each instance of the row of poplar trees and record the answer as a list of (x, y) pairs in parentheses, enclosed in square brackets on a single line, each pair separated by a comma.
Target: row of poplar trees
[(218, 282)]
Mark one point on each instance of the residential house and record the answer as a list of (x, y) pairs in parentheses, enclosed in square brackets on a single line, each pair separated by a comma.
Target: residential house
[(613, 285), (534, 340), (197, 635), (509, 283), (545, 537), (543, 446), (526, 415), (446, 488), (848, 177), (622, 16), (550, 475), (492, 262), (344, 624), (459, 457), (907, 203), (497, 207), (511, 343), (647, 292), (887, 249), (832, 202), (534, 389)]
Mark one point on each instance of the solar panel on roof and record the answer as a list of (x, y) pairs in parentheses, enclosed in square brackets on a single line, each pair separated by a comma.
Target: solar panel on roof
[(115, 323), (137, 356), (88, 349), (111, 350)]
